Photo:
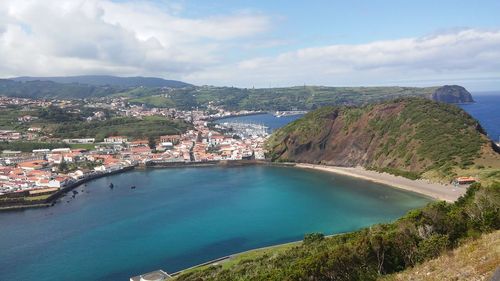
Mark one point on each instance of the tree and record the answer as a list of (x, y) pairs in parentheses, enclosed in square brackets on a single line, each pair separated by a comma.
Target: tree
[(63, 166), (152, 142), (313, 237)]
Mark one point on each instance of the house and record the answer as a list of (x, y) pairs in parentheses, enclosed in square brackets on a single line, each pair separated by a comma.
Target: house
[(41, 151), (464, 180), (32, 165), (58, 182), (158, 275), (61, 150), (216, 139), (139, 143), (54, 158), (174, 139), (34, 129), (115, 139), (84, 140), (9, 135)]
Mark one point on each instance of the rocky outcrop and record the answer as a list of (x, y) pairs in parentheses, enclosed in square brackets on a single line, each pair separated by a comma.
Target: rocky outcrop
[(409, 135), (452, 94)]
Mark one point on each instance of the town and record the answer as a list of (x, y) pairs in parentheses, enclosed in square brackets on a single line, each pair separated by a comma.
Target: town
[(47, 169)]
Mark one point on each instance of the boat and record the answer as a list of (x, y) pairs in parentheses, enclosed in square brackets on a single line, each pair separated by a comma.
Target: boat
[(132, 187)]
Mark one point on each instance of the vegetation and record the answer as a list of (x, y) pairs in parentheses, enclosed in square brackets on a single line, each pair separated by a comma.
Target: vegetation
[(414, 138), (299, 98), (127, 126), (473, 260), (370, 253), (30, 146), (185, 96)]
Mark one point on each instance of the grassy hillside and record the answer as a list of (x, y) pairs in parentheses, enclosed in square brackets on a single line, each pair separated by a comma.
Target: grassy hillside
[(474, 260), (303, 98), (185, 96), (372, 252), (107, 80), (71, 123), (123, 126), (416, 138)]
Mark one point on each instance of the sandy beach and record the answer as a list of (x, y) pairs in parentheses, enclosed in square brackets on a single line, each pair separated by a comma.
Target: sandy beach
[(446, 192)]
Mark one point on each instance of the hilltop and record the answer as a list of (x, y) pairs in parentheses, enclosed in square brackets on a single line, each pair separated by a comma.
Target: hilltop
[(415, 138), (157, 92), (294, 98), (107, 80)]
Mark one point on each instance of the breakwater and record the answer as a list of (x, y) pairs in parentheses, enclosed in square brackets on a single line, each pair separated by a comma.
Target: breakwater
[(21, 202)]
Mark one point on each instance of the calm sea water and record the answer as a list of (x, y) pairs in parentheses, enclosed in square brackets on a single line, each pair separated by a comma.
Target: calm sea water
[(265, 119), (177, 218), (486, 109)]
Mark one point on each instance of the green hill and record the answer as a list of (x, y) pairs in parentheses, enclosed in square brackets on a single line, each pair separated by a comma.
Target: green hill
[(167, 93), (415, 138), (107, 80), (292, 98), (474, 260)]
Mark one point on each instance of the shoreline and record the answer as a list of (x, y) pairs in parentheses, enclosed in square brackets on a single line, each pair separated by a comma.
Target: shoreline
[(437, 191), (52, 199), (434, 191)]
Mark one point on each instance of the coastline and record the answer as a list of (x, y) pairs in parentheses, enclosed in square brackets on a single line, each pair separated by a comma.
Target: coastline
[(446, 192), (52, 199)]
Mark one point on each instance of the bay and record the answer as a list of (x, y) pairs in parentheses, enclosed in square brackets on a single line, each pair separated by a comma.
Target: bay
[(180, 217)]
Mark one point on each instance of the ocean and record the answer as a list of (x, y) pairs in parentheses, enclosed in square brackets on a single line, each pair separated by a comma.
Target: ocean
[(179, 217)]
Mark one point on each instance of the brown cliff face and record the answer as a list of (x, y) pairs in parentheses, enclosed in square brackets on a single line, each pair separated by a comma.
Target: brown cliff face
[(413, 135)]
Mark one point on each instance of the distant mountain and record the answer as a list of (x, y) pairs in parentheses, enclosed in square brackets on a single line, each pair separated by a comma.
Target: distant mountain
[(151, 92), (106, 80), (49, 89)]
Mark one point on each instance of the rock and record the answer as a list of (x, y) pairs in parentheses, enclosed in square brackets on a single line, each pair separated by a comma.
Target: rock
[(452, 94)]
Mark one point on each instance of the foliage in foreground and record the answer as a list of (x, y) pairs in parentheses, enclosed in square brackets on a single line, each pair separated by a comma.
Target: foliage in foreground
[(372, 252)]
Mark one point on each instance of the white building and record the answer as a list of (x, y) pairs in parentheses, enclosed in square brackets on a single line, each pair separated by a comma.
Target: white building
[(115, 139)]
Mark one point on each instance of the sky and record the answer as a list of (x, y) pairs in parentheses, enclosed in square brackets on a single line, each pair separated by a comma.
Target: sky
[(266, 43)]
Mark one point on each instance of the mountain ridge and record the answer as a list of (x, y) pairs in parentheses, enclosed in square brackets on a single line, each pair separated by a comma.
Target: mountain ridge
[(108, 80)]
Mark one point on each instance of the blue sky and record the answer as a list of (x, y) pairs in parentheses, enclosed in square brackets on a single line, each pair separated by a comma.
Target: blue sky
[(258, 43)]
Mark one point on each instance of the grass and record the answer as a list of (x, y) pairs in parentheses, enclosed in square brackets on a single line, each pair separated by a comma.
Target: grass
[(154, 101), (247, 256), (126, 126), (87, 146), (474, 260)]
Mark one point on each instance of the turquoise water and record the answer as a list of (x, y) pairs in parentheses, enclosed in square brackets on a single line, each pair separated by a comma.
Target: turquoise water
[(180, 217)]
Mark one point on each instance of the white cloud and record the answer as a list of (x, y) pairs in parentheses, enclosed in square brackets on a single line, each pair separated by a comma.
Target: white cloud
[(443, 57), (59, 37), (66, 37)]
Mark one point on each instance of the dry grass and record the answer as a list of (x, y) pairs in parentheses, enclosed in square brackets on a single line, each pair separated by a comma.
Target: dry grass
[(475, 260)]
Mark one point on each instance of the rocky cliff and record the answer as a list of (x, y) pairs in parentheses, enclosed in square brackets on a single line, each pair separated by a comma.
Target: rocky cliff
[(410, 137), (451, 94)]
